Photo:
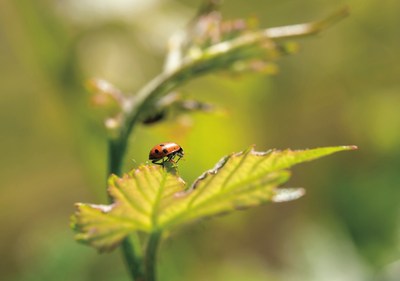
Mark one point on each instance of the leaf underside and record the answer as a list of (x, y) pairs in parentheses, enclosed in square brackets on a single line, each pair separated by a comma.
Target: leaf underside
[(150, 199)]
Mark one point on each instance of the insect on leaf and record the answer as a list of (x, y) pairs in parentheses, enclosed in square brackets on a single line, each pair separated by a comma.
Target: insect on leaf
[(150, 199)]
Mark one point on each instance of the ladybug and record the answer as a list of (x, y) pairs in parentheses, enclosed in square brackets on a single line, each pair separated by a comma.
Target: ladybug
[(166, 151)]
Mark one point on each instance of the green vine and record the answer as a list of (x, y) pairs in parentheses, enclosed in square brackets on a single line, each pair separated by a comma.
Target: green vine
[(190, 55)]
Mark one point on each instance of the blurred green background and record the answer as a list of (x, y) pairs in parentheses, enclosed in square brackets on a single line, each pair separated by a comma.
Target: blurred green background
[(341, 88)]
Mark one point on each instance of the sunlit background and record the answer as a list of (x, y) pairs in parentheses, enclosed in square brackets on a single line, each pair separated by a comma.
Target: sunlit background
[(343, 87)]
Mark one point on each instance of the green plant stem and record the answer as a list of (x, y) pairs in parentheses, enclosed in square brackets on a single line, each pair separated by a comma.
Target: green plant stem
[(151, 256), (133, 259), (116, 150), (306, 29)]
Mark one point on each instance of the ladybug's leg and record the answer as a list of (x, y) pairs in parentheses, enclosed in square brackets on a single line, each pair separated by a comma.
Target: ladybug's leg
[(157, 161), (179, 157), (172, 157)]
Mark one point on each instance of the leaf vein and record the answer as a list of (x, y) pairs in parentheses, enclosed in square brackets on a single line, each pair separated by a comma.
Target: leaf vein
[(141, 190), (232, 173), (133, 204), (157, 201)]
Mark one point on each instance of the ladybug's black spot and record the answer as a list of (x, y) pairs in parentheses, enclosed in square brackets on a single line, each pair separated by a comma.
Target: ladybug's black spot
[(156, 151), (165, 151), (161, 144)]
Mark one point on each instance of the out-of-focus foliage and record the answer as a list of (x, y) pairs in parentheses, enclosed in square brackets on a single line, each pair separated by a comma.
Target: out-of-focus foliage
[(342, 87)]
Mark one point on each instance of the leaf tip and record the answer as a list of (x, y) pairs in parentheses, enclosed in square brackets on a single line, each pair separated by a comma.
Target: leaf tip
[(288, 194), (350, 147)]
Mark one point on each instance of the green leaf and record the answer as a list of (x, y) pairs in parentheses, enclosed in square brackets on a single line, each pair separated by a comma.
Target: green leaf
[(151, 199)]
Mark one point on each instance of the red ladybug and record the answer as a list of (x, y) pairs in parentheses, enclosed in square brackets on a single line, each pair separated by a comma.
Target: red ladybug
[(166, 151)]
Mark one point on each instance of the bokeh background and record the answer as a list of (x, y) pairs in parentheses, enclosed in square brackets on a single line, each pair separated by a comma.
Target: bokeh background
[(341, 88)]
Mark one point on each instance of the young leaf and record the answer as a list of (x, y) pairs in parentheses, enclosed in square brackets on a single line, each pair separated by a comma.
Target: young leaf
[(150, 199)]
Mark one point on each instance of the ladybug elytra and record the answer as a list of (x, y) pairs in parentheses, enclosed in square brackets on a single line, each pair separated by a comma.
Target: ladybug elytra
[(166, 151)]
